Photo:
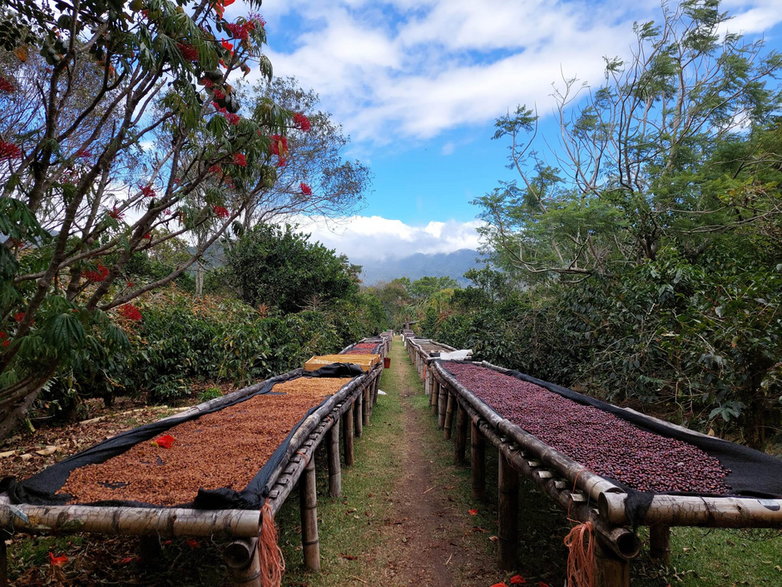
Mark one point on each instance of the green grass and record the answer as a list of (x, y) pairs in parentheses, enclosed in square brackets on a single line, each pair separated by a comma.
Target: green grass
[(345, 524)]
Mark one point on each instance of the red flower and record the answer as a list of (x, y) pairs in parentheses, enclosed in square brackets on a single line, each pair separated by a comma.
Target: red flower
[(9, 151), (305, 189), (130, 284), (240, 31), (240, 160), (147, 191), (257, 20), (5, 343), (57, 561), (188, 51), (281, 162), (219, 94), (116, 214), (220, 5), (96, 275), (232, 118), (215, 169), (83, 153), (220, 211), (147, 236), (130, 312), (19, 316), (227, 46), (279, 145), (165, 441), (302, 122), (517, 580), (472, 512), (6, 86), (3, 335), (499, 585), (206, 82)]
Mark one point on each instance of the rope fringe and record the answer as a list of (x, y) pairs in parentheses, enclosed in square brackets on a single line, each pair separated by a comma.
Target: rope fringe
[(269, 553), (580, 543)]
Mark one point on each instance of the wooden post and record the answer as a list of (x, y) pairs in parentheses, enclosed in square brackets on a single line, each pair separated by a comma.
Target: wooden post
[(308, 502), (449, 407), (441, 405), (427, 382), (478, 461), (461, 434), (335, 467), (3, 560), (434, 396), (660, 543), (347, 435), (508, 484), (367, 405), (358, 417), (612, 570), (244, 565)]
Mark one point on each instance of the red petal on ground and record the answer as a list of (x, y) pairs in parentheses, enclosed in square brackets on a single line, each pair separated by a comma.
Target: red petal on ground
[(165, 441)]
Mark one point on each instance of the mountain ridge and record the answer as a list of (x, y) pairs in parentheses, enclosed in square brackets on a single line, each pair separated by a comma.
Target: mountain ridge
[(419, 265)]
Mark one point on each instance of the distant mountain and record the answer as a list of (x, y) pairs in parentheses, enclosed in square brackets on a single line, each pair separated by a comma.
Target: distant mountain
[(414, 267)]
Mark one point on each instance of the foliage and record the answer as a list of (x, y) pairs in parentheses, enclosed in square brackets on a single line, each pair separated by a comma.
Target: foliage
[(278, 267)]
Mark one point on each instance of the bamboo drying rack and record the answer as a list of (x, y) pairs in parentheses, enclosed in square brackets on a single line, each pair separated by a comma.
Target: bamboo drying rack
[(585, 496), (341, 416)]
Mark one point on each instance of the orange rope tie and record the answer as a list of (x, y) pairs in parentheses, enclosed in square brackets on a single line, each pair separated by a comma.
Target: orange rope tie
[(269, 553), (580, 543)]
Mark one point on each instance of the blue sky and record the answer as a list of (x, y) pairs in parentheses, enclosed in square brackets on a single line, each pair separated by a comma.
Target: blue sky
[(417, 84)]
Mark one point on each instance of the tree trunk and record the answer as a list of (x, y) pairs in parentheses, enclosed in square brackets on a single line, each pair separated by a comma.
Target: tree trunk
[(199, 280), (18, 411)]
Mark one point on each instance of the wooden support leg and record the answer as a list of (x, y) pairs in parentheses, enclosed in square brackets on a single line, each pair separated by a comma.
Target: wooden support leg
[(441, 405), (347, 435), (612, 571), (367, 404), (335, 467), (478, 462), (358, 417), (427, 383), (449, 408), (244, 565), (3, 560), (434, 396), (461, 434), (308, 501), (508, 513), (660, 543)]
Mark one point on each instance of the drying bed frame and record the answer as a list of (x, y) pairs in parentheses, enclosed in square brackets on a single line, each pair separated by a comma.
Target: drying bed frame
[(337, 420), (585, 496)]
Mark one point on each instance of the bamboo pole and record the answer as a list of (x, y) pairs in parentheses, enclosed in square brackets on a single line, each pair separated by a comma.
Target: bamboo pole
[(686, 510), (347, 435), (244, 565), (442, 402), (508, 531), (449, 408), (358, 414), (478, 462), (612, 571), (308, 502), (366, 405), (129, 520), (462, 428), (335, 467), (3, 562), (434, 397), (660, 542)]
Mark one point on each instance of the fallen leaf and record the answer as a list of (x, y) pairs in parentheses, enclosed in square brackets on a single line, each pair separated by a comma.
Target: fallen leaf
[(9, 453), (49, 450), (493, 538), (165, 441), (472, 512), (349, 557), (57, 561), (193, 543), (21, 53)]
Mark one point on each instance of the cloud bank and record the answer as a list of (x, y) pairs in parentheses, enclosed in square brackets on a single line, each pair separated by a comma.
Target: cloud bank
[(399, 70), (373, 238)]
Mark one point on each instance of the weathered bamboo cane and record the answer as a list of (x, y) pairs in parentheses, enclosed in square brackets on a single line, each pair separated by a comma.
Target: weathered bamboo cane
[(244, 565), (335, 467), (462, 430), (358, 414), (660, 543), (366, 404), (478, 462), (347, 435), (508, 520), (686, 510), (308, 499), (442, 403), (434, 398), (449, 409)]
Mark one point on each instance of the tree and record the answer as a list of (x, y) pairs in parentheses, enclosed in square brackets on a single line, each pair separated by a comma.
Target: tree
[(126, 132), (279, 268), (626, 175)]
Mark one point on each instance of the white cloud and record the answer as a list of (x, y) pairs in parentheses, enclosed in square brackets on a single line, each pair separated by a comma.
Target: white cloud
[(373, 238), (405, 69)]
